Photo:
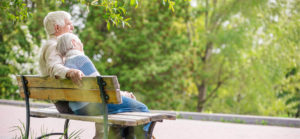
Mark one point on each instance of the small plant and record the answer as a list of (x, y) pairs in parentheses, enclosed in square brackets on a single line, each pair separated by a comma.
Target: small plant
[(179, 116), (237, 120), (263, 122), (20, 129), (222, 120), (44, 131), (74, 134)]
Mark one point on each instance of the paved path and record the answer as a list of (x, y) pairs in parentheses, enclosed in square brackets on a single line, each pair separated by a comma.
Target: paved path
[(179, 129)]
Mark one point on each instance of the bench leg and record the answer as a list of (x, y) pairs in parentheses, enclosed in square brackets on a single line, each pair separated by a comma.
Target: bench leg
[(151, 128), (99, 131), (129, 132), (26, 92), (27, 119), (66, 128), (115, 132)]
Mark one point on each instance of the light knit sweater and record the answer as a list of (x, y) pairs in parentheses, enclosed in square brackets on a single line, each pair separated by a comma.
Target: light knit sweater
[(77, 60), (50, 62)]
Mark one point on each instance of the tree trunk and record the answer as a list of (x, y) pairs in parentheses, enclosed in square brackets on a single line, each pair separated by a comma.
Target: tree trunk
[(201, 96), (202, 88), (298, 112)]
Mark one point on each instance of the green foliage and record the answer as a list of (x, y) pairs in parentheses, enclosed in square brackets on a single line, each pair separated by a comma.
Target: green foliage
[(289, 91), (15, 10), (270, 53), (20, 41), (144, 57), (115, 10), (242, 56), (221, 37), (16, 48)]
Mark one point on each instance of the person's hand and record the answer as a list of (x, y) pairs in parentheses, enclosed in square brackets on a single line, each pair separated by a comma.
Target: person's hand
[(75, 75), (128, 94)]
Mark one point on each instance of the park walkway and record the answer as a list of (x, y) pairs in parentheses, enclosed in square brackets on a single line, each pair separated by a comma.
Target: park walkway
[(179, 129)]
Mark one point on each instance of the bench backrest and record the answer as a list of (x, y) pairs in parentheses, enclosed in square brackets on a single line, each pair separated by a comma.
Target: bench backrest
[(47, 88)]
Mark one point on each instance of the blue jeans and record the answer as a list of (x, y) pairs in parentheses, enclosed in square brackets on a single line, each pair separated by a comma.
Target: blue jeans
[(127, 105)]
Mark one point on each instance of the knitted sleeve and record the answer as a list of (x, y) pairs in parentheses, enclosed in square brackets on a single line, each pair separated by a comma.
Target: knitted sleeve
[(82, 63)]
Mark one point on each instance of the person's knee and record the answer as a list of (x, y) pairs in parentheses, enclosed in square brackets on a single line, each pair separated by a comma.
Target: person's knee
[(143, 108), (134, 105)]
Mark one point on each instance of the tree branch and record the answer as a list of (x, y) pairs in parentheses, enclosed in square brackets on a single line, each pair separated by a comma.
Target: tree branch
[(208, 50), (219, 83)]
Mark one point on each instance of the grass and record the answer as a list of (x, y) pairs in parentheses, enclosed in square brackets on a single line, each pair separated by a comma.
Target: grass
[(20, 132), (234, 120), (263, 122), (179, 116)]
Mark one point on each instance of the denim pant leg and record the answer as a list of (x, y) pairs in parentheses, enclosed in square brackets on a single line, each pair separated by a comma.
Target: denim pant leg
[(127, 105)]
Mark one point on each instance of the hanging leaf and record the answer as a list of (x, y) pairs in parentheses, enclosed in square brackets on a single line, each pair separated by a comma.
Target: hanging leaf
[(108, 25)]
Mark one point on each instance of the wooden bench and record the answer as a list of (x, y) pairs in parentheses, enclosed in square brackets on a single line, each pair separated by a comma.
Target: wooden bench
[(101, 89)]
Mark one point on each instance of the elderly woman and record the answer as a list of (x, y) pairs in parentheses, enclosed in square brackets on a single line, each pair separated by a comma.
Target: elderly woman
[(70, 47)]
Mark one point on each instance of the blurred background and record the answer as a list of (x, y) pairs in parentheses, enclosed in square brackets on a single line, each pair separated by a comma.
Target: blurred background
[(213, 56)]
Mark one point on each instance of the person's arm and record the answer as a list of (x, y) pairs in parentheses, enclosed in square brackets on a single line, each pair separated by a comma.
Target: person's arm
[(55, 67), (75, 75), (128, 94), (84, 64)]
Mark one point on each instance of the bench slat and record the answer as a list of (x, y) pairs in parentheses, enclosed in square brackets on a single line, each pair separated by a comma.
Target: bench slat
[(47, 88), (169, 116), (155, 116), (73, 95), (116, 119), (152, 116), (139, 120), (87, 82)]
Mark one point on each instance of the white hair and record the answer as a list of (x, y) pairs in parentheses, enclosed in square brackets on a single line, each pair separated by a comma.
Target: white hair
[(64, 43), (55, 18)]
